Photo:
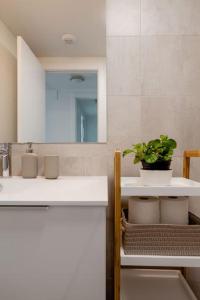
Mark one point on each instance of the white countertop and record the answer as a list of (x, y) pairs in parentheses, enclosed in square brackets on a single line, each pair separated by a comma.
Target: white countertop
[(64, 191)]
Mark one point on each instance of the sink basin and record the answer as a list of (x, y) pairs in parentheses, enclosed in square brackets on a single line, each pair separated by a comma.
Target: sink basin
[(63, 191)]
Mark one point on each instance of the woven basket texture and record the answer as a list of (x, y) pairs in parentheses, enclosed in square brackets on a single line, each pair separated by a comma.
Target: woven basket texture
[(160, 239)]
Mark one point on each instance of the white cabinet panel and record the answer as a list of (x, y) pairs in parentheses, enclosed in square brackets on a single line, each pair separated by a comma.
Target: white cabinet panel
[(55, 253)]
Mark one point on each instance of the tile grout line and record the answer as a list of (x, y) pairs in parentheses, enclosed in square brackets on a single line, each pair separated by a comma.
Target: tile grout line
[(140, 50), (153, 35)]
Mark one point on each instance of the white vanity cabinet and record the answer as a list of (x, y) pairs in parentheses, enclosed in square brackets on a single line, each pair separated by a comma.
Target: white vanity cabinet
[(54, 249)]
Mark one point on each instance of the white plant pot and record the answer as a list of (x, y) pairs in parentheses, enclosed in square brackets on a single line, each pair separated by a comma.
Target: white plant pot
[(156, 177)]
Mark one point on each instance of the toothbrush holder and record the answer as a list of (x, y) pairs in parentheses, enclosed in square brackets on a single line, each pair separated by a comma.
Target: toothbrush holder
[(51, 166)]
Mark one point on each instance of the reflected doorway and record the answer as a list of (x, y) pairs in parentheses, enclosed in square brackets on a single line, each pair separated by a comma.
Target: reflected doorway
[(71, 107), (86, 120)]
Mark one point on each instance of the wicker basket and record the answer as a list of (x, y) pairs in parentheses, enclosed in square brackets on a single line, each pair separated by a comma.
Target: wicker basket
[(160, 239)]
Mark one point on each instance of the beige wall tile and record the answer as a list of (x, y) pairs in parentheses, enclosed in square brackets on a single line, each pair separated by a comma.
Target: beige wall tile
[(161, 64), (72, 166), (123, 17), (177, 166), (174, 116), (170, 17), (191, 65), (96, 166), (124, 118), (73, 158), (73, 150), (123, 65), (195, 167), (170, 65), (160, 116), (128, 168)]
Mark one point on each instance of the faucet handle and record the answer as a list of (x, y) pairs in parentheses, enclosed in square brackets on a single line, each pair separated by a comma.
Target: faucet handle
[(4, 159)]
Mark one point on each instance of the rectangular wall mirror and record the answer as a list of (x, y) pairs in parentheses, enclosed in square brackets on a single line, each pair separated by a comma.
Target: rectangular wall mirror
[(71, 106), (58, 71)]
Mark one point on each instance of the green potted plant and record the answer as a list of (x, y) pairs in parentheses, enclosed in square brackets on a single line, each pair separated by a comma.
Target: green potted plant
[(155, 156)]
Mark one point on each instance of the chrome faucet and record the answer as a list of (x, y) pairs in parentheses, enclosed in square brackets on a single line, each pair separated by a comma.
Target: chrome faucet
[(5, 159)]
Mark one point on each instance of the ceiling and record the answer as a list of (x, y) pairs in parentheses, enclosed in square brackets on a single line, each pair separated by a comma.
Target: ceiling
[(43, 22)]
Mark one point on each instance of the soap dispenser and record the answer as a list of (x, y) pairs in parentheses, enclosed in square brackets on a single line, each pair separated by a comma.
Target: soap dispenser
[(29, 163)]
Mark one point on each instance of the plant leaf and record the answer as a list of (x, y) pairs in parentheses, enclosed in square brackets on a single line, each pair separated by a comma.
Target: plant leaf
[(151, 158), (159, 149), (136, 160), (163, 137), (154, 144), (127, 151), (172, 143)]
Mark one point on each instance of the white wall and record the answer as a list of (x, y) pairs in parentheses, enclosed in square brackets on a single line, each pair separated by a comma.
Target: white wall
[(85, 64), (61, 114), (8, 85), (91, 128), (31, 95)]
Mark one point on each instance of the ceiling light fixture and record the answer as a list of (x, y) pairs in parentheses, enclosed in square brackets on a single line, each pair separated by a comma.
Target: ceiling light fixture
[(77, 78), (69, 38)]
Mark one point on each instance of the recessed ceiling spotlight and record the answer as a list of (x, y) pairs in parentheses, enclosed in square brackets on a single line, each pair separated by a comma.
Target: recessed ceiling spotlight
[(69, 38)]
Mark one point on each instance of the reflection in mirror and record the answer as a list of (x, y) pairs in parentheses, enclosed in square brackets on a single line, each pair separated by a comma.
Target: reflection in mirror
[(53, 74), (71, 107)]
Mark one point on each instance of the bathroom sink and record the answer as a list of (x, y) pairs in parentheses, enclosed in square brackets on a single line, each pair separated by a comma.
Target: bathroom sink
[(63, 191)]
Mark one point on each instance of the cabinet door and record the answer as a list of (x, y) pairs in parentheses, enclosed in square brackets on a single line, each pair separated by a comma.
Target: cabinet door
[(52, 254)]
